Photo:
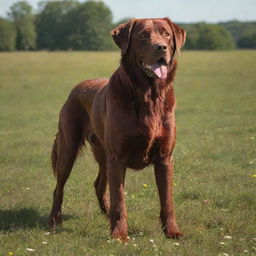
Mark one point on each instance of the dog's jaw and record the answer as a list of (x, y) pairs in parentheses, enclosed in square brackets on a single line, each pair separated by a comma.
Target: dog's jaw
[(159, 69)]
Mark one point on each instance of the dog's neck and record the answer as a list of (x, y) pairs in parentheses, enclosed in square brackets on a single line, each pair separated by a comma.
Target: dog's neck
[(132, 88), (152, 99)]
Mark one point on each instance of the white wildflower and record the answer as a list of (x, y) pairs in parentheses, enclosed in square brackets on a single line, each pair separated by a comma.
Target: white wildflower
[(30, 249)]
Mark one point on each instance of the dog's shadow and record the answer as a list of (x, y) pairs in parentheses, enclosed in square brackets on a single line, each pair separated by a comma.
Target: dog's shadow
[(24, 218)]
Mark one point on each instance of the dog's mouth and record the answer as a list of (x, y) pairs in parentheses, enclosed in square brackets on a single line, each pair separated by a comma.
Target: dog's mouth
[(156, 70)]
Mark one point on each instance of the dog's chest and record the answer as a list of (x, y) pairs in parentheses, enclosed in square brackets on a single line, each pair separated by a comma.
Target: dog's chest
[(139, 151), (142, 147)]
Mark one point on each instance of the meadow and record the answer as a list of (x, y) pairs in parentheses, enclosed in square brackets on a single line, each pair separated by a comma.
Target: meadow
[(215, 160)]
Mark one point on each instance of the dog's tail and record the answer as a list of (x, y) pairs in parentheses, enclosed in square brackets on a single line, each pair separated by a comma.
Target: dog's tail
[(54, 154)]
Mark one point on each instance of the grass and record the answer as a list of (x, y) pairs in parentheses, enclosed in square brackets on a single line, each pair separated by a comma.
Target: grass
[(214, 160)]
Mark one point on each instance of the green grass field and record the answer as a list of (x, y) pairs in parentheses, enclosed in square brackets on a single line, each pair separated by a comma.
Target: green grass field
[(215, 160)]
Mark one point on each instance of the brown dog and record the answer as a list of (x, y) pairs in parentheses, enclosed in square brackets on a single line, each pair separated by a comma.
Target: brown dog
[(128, 120)]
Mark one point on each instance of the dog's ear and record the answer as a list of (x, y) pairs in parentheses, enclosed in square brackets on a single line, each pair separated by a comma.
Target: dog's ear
[(179, 35), (121, 35)]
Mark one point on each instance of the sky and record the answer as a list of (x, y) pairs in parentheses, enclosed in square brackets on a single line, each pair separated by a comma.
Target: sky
[(212, 11)]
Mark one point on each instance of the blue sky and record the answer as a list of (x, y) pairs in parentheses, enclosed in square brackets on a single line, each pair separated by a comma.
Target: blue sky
[(177, 10)]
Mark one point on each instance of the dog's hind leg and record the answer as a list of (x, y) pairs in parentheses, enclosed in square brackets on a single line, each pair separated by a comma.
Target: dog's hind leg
[(67, 143), (100, 183)]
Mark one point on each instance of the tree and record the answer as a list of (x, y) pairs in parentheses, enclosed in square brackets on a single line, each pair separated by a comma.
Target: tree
[(7, 35), (88, 27), (21, 14), (239, 29), (213, 37), (248, 40), (192, 36), (51, 24), (69, 24)]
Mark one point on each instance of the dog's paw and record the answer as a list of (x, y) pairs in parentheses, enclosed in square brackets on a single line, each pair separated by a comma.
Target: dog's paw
[(122, 239), (54, 221), (120, 236), (173, 234)]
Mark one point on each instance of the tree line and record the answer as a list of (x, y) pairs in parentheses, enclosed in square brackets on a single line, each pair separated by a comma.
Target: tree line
[(72, 25), (222, 36)]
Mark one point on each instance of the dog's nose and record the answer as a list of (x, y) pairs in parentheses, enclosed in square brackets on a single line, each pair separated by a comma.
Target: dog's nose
[(160, 47)]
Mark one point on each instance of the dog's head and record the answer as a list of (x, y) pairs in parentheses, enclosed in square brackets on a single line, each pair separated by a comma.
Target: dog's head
[(151, 42)]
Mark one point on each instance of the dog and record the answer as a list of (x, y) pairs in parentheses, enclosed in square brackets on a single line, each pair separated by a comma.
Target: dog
[(128, 120)]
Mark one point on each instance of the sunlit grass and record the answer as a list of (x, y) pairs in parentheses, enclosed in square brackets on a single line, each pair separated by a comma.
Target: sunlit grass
[(215, 160)]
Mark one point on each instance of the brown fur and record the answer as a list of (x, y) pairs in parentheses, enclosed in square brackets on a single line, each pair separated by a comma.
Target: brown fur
[(128, 121)]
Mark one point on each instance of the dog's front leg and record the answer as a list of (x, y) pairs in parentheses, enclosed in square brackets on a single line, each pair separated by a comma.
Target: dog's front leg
[(164, 179), (118, 217)]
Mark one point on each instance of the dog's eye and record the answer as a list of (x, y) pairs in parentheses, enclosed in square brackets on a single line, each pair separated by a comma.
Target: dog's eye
[(166, 34), (143, 35)]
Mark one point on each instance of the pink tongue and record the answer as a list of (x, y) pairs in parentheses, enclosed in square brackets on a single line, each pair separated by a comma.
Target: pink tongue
[(160, 70)]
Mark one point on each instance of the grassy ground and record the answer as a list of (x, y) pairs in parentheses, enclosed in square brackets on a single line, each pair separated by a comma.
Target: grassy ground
[(215, 160)]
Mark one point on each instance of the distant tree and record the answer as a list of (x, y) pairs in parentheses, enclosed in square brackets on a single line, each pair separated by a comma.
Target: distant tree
[(88, 27), (248, 40), (213, 37), (7, 35), (21, 15), (239, 29), (192, 36), (51, 24), (70, 24)]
